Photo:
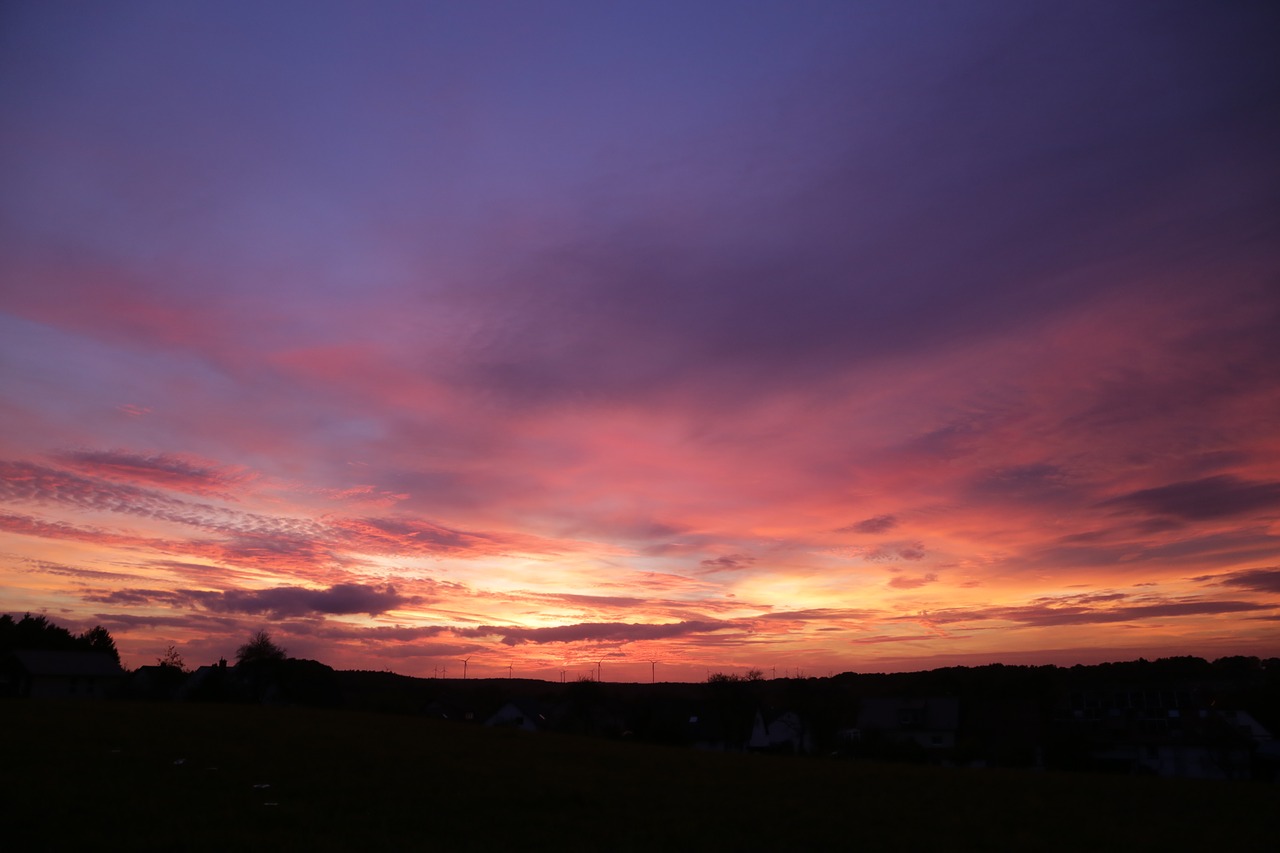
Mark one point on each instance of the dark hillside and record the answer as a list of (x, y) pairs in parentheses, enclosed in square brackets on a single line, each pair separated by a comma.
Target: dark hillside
[(192, 777)]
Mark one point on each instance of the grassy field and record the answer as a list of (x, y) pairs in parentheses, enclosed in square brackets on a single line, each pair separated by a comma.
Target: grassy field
[(191, 777)]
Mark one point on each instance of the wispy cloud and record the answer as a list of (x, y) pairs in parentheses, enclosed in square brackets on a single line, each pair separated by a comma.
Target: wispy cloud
[(160, 469), (912, 581), (1221, 496), (280, 602), (596, 632), (1050, 614), (250, 538), (728, 562), (285, 601), (875, 524), (1258, 580)]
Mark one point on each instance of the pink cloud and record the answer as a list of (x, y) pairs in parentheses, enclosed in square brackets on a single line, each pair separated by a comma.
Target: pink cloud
[(913, 582), (160, 469)]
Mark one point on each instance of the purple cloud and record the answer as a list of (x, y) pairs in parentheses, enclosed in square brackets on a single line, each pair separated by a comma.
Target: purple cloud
[(1221, 496), (596, 632), (1049, 615), (888, 553), (138, 597), (728, 563), (1258, 580), (905, 582), (286, 601), (158, 469), (875, 524)]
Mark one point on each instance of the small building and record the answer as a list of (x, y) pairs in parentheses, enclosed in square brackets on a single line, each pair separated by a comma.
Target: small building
[(523, 715), (440, 709), (42, 674), (780, 732), (931, 723), (156, 682)]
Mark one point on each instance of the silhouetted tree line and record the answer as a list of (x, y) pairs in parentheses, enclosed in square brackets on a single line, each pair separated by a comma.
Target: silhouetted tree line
[(264, 673), (38, 633), (1008, 715)]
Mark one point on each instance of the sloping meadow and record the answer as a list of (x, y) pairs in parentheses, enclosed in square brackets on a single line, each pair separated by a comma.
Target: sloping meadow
[(229, 777)]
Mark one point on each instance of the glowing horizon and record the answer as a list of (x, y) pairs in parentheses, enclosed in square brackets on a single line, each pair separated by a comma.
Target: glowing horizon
[(795, 338)]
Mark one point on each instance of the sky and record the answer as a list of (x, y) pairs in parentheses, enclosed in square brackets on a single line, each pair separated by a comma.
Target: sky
[(643, 339)]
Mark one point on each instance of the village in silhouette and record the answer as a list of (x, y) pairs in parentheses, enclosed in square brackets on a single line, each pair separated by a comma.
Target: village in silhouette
[(1172, 717)]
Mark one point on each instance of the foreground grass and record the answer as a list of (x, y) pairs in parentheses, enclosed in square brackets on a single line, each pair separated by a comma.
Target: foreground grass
[(189, 777)]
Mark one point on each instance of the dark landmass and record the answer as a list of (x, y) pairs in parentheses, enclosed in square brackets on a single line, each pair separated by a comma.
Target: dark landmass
[(1173, 717), (198, 776)]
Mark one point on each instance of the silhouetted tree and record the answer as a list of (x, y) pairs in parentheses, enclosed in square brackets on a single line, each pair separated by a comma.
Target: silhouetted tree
[(260, 649), (308, 682), (98, 639), (172, 658), (723, 678), (37, 632)]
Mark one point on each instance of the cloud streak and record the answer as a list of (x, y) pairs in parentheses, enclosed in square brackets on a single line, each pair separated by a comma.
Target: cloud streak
[(596, 632), (1221, 496), (159, 469), (285, 601)]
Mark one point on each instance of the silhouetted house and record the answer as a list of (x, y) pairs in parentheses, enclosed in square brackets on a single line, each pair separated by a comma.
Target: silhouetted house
[(1265, 747), (1158, 728), (718, 731), (41, 674), (1244, 723), (780, 732), (1005, 732), (156, 683), (210, 683), (520, 714), (706, 733), (930, 724), (440, 709), (662, 719), (1194, 761)]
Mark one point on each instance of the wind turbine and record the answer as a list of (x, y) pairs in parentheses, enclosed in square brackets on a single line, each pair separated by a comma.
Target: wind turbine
[(509, 669), (464, 667), (600, 670), (653, 670)]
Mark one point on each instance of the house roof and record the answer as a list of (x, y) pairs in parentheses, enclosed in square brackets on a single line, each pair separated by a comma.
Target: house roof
[(77, 664), (935, 712)]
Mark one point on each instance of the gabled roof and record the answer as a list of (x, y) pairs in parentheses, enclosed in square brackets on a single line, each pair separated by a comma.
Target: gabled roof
[(531, 709), (68, 664), (932, 713)]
